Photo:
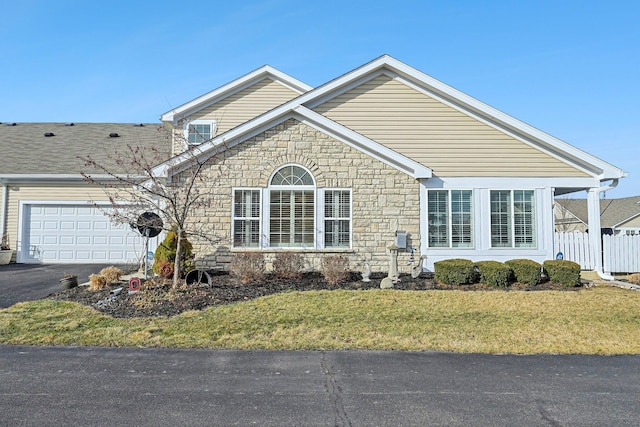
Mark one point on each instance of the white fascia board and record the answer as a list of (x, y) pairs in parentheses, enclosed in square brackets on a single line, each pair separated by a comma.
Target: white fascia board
[(235, 86), (363, 144), (469, 105), (626, 220), (49, 178), (497, 183)]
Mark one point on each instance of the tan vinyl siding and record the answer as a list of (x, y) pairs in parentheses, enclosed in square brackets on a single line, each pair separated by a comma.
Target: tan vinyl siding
[(79, 192), (634, 223), (437, 135), (246, 104)]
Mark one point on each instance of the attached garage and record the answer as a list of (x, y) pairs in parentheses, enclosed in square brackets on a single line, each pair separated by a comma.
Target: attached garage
[(72, 232)]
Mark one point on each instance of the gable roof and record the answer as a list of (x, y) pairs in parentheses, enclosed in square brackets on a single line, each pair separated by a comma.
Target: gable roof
[(385, 64), (28, 154), (216, 95), (613, 212)]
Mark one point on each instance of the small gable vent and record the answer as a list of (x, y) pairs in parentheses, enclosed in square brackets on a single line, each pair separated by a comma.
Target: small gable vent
[(48, 134), (114, 135)]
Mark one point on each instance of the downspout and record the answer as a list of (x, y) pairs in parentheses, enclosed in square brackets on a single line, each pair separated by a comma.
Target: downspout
[(3, 212), (595, 238)]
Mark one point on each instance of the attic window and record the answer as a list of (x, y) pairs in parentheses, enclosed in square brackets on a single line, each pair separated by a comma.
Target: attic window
[(48, 134), (198, 131), (114, 135)]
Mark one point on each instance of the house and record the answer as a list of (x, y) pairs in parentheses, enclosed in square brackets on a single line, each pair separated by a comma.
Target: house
[(381, 155), (47, 209), (617, 216)]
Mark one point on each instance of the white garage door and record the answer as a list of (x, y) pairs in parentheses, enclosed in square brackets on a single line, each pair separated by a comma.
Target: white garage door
[(76, 234)]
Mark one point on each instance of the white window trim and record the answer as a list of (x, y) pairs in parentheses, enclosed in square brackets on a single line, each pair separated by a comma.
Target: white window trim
[(187, 123)]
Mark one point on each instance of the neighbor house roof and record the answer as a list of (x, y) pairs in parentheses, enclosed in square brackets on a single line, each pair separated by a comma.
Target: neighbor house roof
[(32, 150), (613, 212)]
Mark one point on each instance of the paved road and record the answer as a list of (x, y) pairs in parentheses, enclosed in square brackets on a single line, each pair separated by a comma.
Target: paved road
[(161, 387), (28, 282)]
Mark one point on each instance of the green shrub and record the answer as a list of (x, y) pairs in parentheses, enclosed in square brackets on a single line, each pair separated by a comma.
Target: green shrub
[(526, 271), (335, 269), (455, 271), (494, 273), (247, 267), (562, 272), (288, 265), (166, 252)]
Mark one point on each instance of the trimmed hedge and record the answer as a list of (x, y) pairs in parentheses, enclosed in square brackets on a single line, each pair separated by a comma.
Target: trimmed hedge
[(562, 272), (455, 271), (526, 271), (494, 273)]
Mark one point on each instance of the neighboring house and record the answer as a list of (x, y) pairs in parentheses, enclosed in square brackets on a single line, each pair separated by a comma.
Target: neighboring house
[(617, 216), (46, 206), (381, 151), (383, 154)]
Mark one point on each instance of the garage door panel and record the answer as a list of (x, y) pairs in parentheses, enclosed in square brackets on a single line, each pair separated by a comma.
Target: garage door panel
[(76, 233)]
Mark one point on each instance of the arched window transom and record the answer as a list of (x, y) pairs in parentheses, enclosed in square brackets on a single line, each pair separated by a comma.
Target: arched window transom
[(292, 175)]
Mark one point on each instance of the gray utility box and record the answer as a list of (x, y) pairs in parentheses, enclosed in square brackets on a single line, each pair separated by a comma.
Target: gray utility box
[(401, 239)]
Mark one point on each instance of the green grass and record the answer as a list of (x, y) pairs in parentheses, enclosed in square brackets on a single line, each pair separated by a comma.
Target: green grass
[(601, 320)]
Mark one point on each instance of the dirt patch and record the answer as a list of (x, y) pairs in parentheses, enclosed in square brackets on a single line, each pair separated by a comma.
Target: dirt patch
[(162, 300)]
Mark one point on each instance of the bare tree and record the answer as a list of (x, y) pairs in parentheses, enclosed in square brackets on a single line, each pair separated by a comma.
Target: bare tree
[(131, 180)]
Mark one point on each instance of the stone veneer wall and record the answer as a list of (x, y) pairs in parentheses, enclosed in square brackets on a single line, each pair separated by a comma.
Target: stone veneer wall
[(383, 199)]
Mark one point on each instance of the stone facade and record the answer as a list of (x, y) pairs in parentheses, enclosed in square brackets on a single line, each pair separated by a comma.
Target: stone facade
[(383, 199)]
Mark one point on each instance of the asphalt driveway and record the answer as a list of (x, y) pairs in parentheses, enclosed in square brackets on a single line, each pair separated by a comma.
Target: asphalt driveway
[(28, 282)]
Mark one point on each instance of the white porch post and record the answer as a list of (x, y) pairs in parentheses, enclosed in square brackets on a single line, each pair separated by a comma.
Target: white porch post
[(595, 241)]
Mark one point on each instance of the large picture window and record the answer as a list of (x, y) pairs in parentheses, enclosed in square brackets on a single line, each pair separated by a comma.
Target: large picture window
[(513, 219), (450, 218), (291, 213), (292, 208)]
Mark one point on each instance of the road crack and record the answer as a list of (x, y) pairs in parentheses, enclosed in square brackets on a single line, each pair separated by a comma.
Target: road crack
[(341, 418)]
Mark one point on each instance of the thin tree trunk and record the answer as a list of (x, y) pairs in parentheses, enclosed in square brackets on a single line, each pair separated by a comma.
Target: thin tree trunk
[(176, 264)]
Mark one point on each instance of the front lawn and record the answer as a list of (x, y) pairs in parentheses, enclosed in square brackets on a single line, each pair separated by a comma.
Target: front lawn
[(600, 320)]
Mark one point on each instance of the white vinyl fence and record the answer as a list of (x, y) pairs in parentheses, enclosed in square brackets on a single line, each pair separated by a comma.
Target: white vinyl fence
[(620, 254)]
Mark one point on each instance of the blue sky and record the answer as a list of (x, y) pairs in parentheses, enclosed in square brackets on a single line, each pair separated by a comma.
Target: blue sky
[(569, 68)]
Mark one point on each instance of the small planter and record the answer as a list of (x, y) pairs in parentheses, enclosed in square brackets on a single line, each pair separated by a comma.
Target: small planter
[(5, 256), (69, 282)]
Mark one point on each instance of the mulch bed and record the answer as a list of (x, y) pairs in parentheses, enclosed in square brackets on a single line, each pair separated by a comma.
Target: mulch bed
[(160, 300)]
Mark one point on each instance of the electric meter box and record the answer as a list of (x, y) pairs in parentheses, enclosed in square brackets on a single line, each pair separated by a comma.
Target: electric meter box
[(401, 239)]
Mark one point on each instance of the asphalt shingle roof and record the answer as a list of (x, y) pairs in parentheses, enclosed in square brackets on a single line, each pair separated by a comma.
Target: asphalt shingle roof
[(24, 148), (612, 211)]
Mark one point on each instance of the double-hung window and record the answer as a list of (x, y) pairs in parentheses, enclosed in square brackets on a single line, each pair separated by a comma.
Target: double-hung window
[(513, 219), (198, 131), (450, 218), (337, 218), (246, 218)]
